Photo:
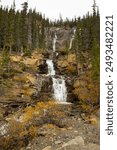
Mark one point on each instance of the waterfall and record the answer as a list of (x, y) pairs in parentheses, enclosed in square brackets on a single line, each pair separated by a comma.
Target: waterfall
[(54, 43), (59, 87), (51, 70), (72, 38), (60, 91)]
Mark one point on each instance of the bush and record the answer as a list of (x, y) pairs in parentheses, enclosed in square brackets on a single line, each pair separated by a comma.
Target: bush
[(71, 69), (87, 91), (24, 125)]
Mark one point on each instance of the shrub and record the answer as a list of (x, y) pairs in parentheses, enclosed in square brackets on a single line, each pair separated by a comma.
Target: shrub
[(24, 126), (71, 69), (87, 90)]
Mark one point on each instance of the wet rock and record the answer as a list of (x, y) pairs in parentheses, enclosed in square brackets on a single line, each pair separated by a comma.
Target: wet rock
[(47, 84), (43, 69), (71, 98)]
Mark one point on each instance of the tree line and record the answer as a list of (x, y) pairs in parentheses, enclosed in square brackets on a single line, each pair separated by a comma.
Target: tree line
[(24, 31)]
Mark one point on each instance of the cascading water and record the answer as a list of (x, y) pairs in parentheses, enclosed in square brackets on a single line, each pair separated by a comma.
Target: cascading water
[(72, 38), (59, 88), (51, 70), (60, 91), (54, 43)]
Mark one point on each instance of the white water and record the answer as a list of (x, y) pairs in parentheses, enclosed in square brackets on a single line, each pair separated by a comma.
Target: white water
[(59, 87), (60, 91), (54, 43), (72, 38), (51, 70)]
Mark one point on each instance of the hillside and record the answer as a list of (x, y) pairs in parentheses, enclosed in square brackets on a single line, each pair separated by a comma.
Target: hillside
[(49, 82)]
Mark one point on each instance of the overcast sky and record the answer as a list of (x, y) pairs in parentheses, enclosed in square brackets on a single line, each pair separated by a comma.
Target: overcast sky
[(53, 8)]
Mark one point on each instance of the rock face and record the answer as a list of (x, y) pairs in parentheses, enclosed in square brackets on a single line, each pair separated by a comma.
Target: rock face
[(78, 144), (64, 64), (30, 81)]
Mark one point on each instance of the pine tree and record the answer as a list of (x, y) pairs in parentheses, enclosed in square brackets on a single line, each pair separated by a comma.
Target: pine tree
[(17, 32), (9, 38), (95, 53), (24, 28)]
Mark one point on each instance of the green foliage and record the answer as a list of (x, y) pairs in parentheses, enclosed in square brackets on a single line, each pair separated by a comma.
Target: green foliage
[(65, 50), (5, 58), (27, 52), (95, 61), (22, 31)]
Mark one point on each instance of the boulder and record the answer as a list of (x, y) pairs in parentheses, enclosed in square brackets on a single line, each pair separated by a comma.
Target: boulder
[(73, 144), (78, 144), (47, 148), (91, 146)]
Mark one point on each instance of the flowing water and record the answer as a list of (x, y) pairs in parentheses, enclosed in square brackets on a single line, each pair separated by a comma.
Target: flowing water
[(72, 38), (51, 70), (59, 87), (54, 43), (60, 91)]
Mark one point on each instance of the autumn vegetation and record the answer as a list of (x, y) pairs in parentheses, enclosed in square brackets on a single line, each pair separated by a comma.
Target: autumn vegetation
[(22, 49)]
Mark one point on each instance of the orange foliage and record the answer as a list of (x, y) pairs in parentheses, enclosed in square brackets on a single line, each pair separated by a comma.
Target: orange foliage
[(87, 90)]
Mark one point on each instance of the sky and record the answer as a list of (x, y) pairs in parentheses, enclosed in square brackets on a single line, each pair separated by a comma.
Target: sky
[(53, 8)]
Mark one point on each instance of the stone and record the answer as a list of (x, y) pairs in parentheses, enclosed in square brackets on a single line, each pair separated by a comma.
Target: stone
[(70, 128), (77, 141), (47, 148), (71, 147), (57, 142), (78, 144), (91, 146)]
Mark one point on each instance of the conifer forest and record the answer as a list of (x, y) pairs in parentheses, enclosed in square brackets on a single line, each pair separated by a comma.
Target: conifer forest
[(49, 80)]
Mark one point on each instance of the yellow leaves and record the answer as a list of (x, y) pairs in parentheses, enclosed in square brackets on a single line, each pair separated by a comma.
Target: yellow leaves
[(33, 131), (71, 58), (76, 84), (26, 78), (16, 58), (87, 91), (28, 91), (62, 63), (93, 120), (16, 128), (25, 124), (28, 114), (71, 69), (45, 105), (42, 108), (50, 125), (67, 62)]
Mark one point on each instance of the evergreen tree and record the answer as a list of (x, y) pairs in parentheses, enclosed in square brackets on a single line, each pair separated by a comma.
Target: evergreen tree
[(9, 38), (24, 27)]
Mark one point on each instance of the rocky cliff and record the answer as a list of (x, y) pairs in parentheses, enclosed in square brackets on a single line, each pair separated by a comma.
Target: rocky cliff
[(27, 101)]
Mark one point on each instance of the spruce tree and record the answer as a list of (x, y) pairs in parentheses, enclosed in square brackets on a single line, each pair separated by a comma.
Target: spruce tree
[(24, 28)]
